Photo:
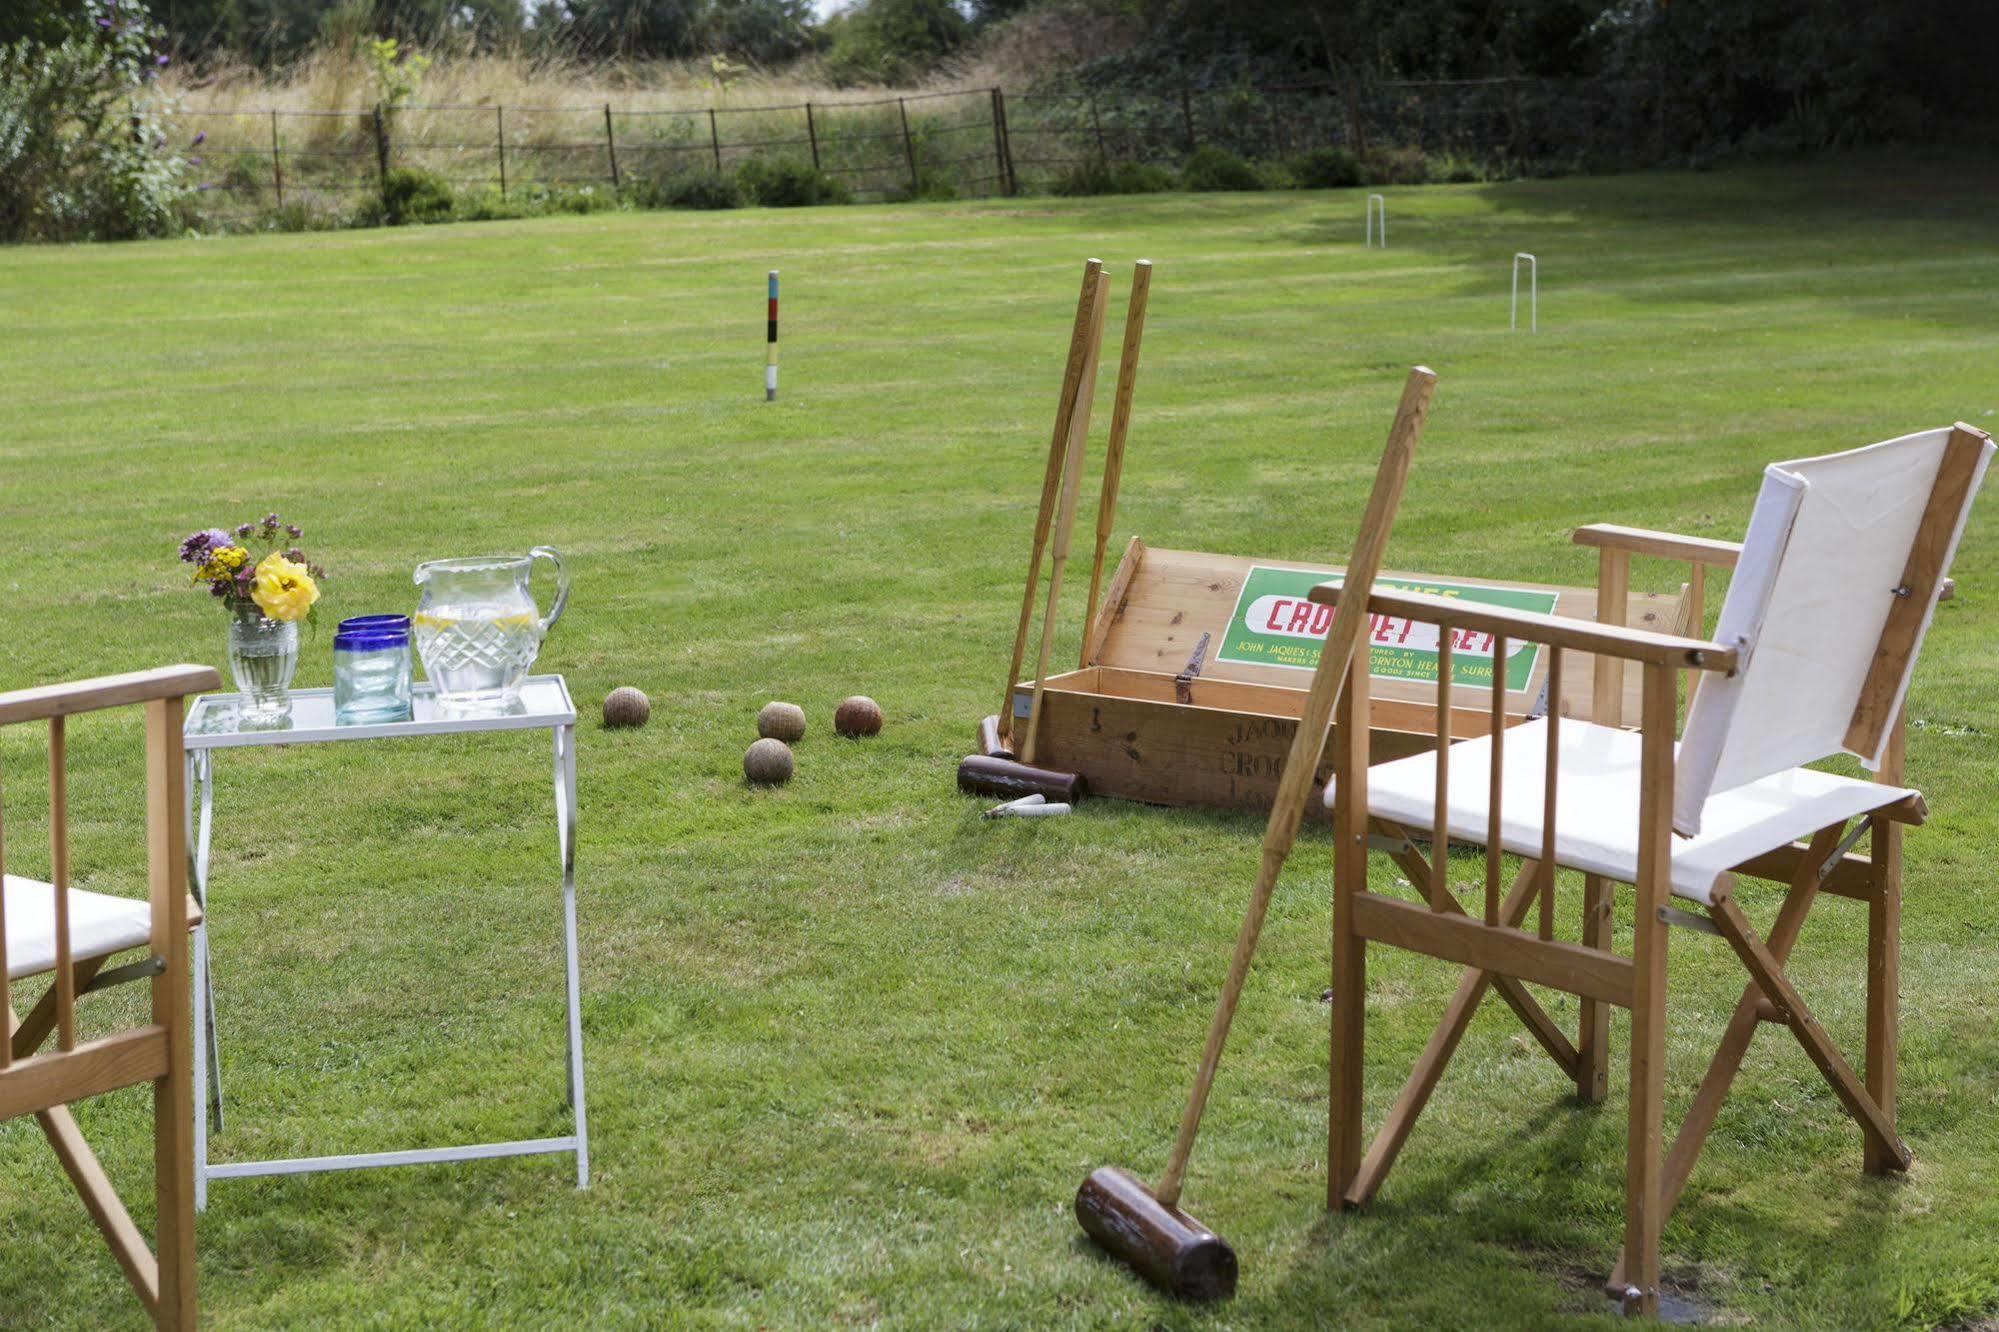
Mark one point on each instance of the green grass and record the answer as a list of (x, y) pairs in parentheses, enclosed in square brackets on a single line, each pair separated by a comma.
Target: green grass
[(850, 1049)]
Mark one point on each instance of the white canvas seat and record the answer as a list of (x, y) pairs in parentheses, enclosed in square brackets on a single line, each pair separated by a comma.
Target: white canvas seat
[(1596, 804), (99, 925)]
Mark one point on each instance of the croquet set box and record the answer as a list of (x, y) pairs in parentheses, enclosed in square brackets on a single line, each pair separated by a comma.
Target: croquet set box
[(1196, 667)]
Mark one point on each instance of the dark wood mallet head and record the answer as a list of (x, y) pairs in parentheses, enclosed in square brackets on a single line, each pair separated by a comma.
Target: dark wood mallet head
[(1163, 1244), (983, 775)]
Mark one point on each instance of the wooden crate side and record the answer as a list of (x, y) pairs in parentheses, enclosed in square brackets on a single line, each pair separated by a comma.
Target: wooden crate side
[(1167, 753)]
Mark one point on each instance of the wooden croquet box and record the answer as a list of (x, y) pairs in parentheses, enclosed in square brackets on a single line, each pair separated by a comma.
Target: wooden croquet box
[(1135, 723)]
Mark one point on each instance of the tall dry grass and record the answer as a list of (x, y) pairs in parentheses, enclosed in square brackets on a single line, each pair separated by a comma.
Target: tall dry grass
[(341, 80)]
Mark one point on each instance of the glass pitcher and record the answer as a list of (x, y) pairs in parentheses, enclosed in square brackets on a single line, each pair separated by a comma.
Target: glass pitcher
[(477, 627)]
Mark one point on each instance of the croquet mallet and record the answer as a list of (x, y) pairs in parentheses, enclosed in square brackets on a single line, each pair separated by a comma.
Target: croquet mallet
[(1065, 521), (1080, 348), (1127, 380), (1146, 1228)]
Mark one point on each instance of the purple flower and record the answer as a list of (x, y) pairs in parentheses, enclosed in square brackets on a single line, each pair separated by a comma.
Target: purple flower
[(294, 531), (195, 549), (162, 60), (218, 589), (246, 529), (199, 139), (295, 555)]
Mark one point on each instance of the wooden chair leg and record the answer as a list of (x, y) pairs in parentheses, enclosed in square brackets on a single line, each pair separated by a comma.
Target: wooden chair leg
[(172, 1003), (1777, 987), (1429, 1069), (1346, 1064), (1644, 1213), (1593, 1028), (1742, 1024), (1884, 971)]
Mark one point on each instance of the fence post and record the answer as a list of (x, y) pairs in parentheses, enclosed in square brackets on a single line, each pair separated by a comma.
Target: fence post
[(277, 166), (1098, 124), (812, 133), (999, 144), (611, 145), (1009, 181), (1187, 119), (381, 149), (715, 140), (908, 145), (500, 139)]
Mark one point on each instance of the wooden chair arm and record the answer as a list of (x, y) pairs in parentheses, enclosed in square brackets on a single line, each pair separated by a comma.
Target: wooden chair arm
[(106, 691), (1608, 640), (1672, 546), (1668, 545)]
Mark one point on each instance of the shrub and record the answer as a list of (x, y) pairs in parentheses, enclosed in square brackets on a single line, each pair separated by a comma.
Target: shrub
[(786, 182), (1397, 166), (1212, 168), (411, 194), (83, 138), (695, 189), (1325, 169), (1097, 176), (1453, 169)]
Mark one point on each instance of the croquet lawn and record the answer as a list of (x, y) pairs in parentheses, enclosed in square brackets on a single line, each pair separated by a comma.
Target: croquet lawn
[(849, 1048)]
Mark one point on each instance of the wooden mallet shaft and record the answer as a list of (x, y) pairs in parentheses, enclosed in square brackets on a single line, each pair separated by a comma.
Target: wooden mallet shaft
[(1065, 522), (1065, 406), (1127, 380), (1302, 763)]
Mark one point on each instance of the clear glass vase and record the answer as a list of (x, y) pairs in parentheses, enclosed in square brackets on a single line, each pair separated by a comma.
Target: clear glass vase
[(263, 656)]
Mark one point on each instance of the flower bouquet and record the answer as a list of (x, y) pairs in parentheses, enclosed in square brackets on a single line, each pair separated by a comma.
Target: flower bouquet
[(266, 597)]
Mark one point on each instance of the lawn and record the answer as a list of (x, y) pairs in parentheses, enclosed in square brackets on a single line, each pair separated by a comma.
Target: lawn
[(849, 1048)]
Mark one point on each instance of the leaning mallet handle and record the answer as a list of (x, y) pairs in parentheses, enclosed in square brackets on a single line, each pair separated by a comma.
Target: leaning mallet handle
[(1065, 407), (1302, 763), (1127, 379), (1065, 523)]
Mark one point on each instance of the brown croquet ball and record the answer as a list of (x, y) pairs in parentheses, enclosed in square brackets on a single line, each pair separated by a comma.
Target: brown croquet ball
[(626, 706), (782, 721), (768, 762), (858, 716)]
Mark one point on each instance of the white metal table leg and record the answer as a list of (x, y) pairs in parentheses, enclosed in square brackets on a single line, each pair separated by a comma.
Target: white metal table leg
[(204, 761), (565, 826), (198, 885)]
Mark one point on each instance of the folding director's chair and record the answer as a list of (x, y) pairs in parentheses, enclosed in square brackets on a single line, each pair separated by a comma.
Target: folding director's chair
[(1833, 589), (52, 927)]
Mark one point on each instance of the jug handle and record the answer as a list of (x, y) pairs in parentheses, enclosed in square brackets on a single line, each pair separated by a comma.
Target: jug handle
[(561, 585)]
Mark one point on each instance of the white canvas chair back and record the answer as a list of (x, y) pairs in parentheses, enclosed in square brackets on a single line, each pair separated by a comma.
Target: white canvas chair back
[(1840, 573)]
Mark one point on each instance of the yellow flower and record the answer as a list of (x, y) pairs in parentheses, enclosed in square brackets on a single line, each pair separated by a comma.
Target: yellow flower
[(283, 590), (223, 562)]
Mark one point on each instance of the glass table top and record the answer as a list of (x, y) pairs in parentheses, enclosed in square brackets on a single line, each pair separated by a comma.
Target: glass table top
[(215, 721)]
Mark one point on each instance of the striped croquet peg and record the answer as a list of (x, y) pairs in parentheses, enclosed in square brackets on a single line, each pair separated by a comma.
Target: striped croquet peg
[(770, 344)]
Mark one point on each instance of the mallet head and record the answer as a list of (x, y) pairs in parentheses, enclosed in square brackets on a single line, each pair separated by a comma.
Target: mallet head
[(1163, 1244)]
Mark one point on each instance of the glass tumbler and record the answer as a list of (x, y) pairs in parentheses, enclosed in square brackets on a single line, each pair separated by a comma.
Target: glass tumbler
[(371, 670)]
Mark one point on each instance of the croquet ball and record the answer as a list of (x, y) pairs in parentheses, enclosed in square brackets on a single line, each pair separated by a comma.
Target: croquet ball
[(781, 721), (626, 706), (768, 762), (858, 716)]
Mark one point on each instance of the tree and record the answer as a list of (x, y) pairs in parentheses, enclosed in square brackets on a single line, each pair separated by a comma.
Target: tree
[(894, 41)]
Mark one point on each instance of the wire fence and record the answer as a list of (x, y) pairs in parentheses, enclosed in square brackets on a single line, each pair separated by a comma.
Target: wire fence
[(965, 143)]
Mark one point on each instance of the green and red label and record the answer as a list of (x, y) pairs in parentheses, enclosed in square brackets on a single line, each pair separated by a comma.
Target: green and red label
[(1276, 624)]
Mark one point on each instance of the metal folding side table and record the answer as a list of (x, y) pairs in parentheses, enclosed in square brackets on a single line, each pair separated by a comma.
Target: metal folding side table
[(213, 723)]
